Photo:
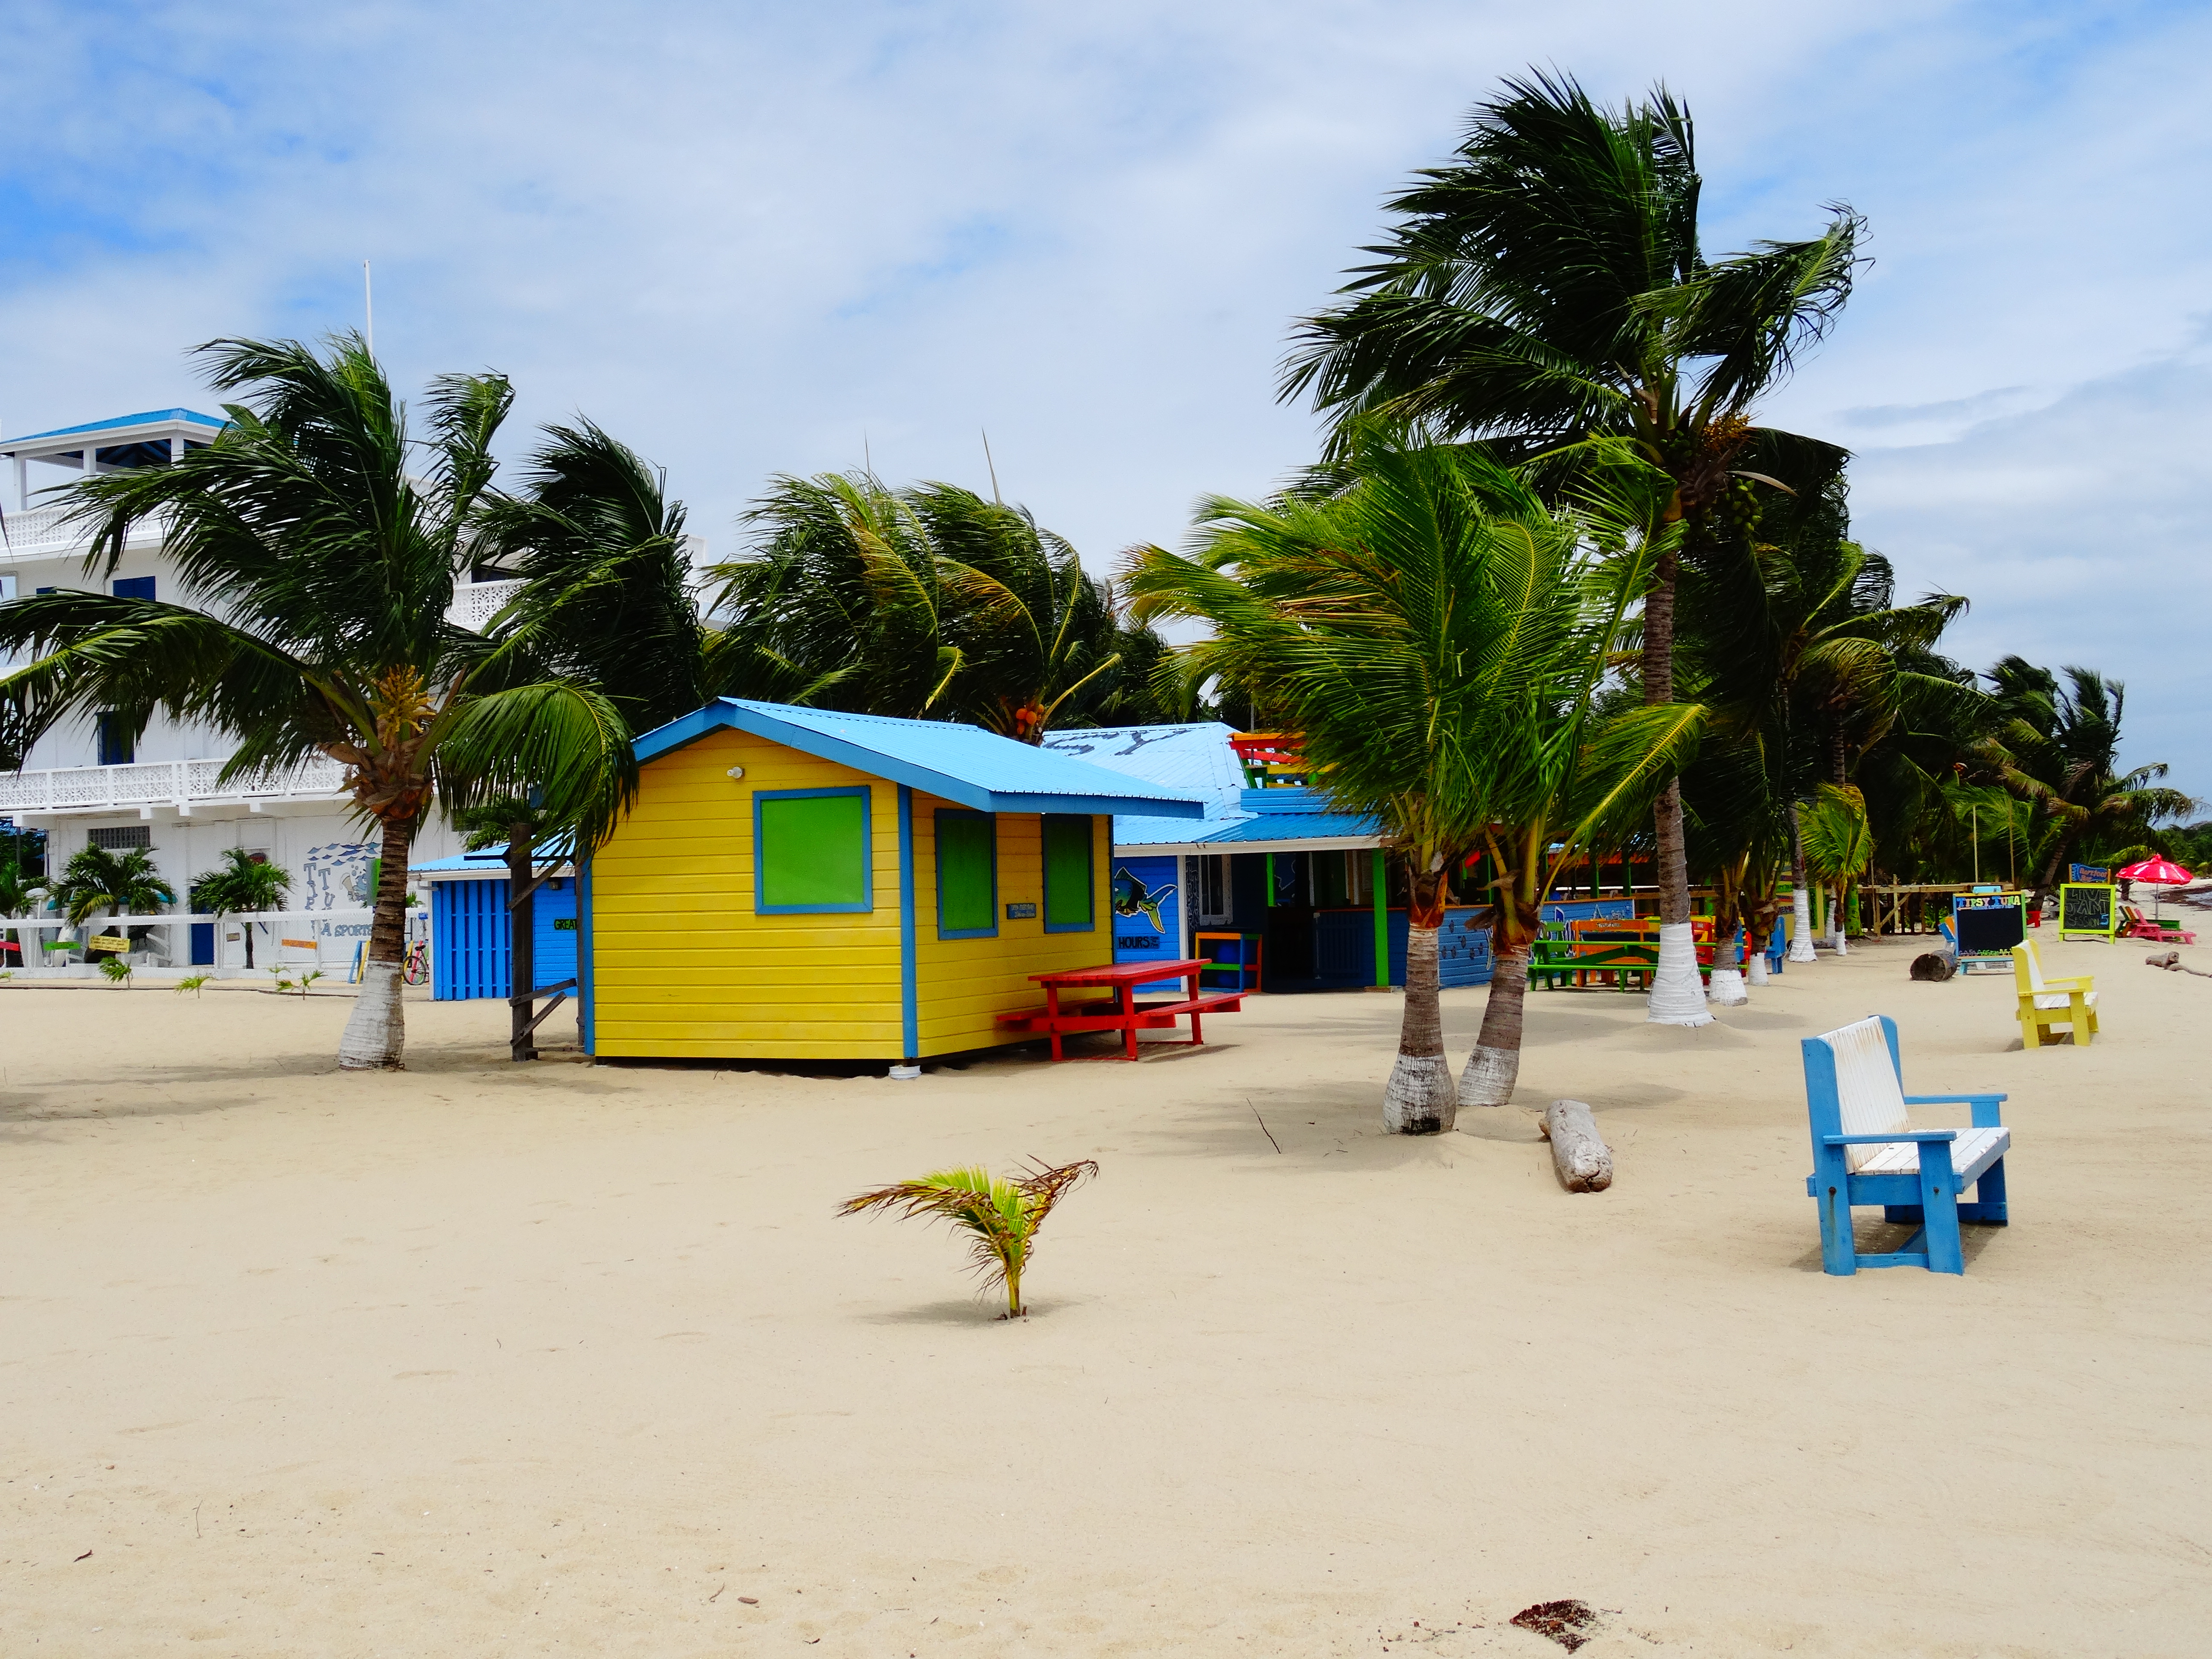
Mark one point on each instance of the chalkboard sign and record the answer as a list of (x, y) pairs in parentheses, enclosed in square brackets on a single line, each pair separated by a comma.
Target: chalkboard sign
[(2090, 910), (1988, 928)]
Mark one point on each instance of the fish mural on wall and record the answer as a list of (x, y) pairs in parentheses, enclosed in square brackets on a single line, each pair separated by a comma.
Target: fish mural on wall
[(1131, 897)]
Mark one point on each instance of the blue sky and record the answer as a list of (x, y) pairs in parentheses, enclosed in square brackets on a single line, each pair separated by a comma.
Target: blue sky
[(752, 240)]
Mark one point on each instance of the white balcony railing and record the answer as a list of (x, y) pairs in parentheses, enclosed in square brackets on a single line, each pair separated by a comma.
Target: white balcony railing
[(157, 783), (475, 604), (37, 532)]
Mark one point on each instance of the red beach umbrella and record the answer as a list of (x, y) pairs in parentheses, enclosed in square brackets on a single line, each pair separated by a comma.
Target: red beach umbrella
[(2156, 873)]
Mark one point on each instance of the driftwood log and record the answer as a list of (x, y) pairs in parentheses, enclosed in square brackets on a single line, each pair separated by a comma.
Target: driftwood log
[(2170, 961), (1581, 1157)]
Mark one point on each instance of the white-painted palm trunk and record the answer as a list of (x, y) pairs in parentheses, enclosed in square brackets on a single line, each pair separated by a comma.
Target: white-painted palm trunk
[(1419, 1098), (1836, 922), (1755, 969), (376, 1036), (1678, 996), (1494, 1067), (1726, 990), (1800, 932), (1490, 1077)]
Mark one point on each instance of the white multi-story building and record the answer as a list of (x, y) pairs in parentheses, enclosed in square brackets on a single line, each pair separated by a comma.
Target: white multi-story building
[(95, 781)]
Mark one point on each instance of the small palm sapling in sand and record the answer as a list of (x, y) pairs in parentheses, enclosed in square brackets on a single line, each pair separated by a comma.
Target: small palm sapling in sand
[(1001, 1215), (117, 970)]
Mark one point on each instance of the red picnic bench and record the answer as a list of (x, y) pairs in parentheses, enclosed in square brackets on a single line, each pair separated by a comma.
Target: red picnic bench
[(1123, 1013)]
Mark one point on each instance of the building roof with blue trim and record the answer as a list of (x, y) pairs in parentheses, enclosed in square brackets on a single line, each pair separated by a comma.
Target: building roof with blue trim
[(965, 763), (145, 417), (488, 863), (1193, 759), (1197, 757)]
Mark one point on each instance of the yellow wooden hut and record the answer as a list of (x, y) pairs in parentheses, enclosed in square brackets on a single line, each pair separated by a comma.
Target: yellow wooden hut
[(798, 883)]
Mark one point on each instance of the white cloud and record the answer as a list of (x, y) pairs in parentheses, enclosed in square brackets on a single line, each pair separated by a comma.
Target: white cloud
[(744, 236), (2074, 528)]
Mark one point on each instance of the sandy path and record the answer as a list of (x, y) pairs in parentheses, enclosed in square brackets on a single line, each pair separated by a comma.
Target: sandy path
[(482, 1359)]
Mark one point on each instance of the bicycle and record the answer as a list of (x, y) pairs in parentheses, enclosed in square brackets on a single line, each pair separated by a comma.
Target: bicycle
[(416, 968)]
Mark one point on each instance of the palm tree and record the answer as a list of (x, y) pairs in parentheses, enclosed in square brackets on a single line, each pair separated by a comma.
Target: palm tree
[(1837, 844), (2061, 744), (324, 541), (1797, 645), (927, 602), (605, 602), (1033, 632), (123, 884), (1437, 637), (1546, 291), (1001, 1216), (242, 884)]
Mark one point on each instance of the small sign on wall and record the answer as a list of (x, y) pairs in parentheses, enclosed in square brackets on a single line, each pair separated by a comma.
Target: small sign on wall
[(109, 942), (1021, 913)]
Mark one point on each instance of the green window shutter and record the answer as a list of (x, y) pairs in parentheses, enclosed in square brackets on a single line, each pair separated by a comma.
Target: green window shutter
[(967, 874), (1067, 899), (812, 851)]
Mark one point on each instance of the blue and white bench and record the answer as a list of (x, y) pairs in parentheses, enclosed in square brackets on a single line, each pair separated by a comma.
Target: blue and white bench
[(1866, 1151)]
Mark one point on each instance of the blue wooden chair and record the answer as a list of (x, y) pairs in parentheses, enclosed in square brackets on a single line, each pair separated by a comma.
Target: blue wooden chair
[(1866, 1151)]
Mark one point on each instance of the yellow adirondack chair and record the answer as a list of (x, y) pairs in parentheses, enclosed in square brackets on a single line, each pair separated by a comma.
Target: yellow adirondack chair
[(2047, 1005)]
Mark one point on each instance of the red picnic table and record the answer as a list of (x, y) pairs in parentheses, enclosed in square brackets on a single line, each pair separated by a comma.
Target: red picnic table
[(1126, 1014)]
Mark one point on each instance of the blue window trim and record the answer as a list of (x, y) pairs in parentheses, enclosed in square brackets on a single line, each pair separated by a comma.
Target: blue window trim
[(909, 994), (762, 906), (943, 931), (587, 985), (1044, 860)]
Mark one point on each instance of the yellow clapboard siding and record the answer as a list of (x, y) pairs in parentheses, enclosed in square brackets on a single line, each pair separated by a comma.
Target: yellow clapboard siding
[(802, 969), (654, 1047), (683, 968), (964, 984), (772, 1023)]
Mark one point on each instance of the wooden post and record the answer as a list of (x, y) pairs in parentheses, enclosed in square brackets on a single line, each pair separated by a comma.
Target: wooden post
[(1381, 896), (522, 944)]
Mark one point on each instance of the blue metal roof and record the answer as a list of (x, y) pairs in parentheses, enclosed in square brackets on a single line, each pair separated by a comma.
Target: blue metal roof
[(149, 417), (1273, 827), (1193, 759), (486, 860), (963, 763), (1197, 757)]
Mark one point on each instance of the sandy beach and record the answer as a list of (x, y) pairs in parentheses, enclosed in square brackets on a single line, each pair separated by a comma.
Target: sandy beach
[(487, 1359)]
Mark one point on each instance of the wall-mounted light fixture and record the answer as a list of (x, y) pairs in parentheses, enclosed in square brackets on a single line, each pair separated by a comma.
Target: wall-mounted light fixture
[(737, 773)]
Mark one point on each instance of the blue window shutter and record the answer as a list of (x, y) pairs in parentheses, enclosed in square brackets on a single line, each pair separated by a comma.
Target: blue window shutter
[(134, 587)]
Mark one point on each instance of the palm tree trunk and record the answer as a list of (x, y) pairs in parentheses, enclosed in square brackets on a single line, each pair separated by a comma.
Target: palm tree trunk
[(1801, 897), (1678, 996), (1419, 1098), (376, 1037), (1494, 1067), (1726, 990), (522, 943)]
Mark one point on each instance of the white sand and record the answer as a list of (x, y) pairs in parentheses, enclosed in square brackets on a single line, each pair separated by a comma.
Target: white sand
[(485, 1359)]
